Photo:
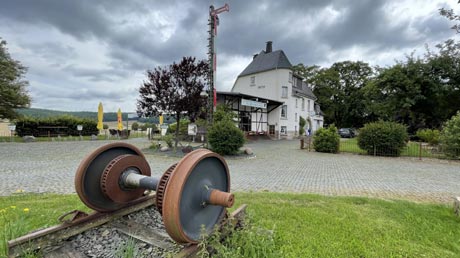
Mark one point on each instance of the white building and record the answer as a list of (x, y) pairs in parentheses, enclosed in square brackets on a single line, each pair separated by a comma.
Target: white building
[(273, 98)]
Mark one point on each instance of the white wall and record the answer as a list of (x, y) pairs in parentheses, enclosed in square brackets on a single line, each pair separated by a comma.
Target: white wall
[(269, 85)]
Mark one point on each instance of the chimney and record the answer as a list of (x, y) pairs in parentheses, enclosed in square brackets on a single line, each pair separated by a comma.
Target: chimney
[(268, 49), (254, 56)]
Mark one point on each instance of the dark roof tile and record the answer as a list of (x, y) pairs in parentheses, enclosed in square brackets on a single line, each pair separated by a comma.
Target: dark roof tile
[(267, 61)]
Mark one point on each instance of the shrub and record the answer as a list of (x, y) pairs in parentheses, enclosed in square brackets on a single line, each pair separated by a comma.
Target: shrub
[(225, 138), (430, 136), (105, 126), (168, 138), (61, 125), (183, 127), (223, 112), (383, 138), (302, 123), (326, 140), (450, 137), (135, 126)]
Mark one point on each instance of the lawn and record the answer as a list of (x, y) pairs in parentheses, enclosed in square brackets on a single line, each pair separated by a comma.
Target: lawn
[(292, 225), (412, 149)]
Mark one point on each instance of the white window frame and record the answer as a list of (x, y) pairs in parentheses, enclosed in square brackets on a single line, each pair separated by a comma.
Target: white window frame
[(253, 81), (284, 92), (308, 106), (303, 104), (284, 107), (290, 77), (283, 130), (296, 103), (296, 117)]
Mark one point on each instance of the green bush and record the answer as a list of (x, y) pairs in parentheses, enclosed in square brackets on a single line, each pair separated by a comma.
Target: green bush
[(53, 126), (383, 138), (135, 126), (168, 139), (183, 127), (223, 112), (450, 137), (430, 136), (326, 140), (302, 123), (225, 138)]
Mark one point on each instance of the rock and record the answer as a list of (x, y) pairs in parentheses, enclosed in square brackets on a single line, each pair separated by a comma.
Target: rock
[(248, 151), (93, 137), (164, 149), (28, 138)]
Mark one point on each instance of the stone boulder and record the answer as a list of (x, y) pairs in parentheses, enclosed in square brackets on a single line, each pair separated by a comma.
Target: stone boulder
[(164, 149), (246, 150), (28, 138)]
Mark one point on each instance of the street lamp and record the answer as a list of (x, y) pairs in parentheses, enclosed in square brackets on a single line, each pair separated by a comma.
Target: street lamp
[(12, 128), (80, 128)]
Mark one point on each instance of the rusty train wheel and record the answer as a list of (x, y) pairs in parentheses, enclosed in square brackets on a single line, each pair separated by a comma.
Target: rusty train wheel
[(89, 179), (162, 187), (184, 213)]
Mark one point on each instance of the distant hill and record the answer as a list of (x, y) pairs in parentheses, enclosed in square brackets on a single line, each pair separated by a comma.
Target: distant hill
[(108, 116), (44, 113)]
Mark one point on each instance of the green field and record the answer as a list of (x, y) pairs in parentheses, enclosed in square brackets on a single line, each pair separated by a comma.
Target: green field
[(291, 225)]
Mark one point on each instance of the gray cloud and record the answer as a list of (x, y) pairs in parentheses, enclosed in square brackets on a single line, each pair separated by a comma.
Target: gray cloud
[(138, 35)]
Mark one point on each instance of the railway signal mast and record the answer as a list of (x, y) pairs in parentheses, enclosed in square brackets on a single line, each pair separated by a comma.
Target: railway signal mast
[(213, 23)]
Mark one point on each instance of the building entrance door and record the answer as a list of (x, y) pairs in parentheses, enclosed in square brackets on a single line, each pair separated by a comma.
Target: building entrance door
[(245, 121)]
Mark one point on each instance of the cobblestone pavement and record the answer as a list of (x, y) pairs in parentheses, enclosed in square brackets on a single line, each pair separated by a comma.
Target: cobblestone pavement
[(278, 166)]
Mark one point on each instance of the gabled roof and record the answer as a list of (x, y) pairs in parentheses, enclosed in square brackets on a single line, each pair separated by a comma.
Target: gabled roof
[(267, 61)]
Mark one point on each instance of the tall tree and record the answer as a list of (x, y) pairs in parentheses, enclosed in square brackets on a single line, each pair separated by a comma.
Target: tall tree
[(419, 92), (308, 72), (13, 93), (339, 90), (174, 90)]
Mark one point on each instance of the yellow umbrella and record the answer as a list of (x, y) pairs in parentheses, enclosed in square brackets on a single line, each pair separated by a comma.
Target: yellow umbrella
[(120, 122), (100, 116)]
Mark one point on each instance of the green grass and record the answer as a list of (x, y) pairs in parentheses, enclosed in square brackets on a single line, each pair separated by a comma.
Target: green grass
[(317, 226), (293, 225), (22, 213), (412, 149)]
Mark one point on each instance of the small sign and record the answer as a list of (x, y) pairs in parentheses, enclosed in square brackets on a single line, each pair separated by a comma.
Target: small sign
[(253, 103), (192, 129)]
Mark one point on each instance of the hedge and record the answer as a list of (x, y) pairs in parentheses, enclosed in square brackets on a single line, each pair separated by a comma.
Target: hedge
[(54, 126)]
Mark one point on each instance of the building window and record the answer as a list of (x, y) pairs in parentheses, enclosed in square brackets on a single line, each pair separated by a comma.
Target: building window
[(284, 92), (271, 129), (283, 130), (290, 76), (296, 103), (284, 111), (308, 106), (303, 104), (253, 81), (296, 117)]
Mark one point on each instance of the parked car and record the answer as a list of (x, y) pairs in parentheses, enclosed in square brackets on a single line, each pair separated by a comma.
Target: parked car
[(346, 133)]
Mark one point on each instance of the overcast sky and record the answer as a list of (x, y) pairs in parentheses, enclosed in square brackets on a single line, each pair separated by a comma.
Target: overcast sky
[(82, 52)]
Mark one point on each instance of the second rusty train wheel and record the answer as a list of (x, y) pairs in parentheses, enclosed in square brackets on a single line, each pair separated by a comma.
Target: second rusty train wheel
[(96, 180), (184, 211)]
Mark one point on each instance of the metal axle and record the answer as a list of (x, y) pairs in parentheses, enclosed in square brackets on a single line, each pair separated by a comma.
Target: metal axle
[(132, 179)]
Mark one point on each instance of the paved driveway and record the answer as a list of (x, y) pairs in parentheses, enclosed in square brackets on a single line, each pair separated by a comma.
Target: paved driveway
[(278, 166)]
